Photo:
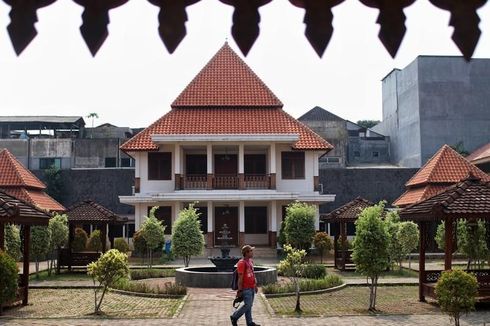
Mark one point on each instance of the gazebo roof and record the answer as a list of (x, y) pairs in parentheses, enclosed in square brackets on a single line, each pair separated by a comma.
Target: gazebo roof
[(348, 212), (468, 199), (13, 210), (92, 212)]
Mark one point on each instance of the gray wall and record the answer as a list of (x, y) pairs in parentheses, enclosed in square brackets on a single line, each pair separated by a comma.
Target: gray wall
[(335, 132), (18, 147), (366, 147), (91, 153)]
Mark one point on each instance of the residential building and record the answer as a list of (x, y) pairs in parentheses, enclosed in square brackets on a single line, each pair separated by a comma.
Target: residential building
[(227, 144), (481, 158), (435, 100)]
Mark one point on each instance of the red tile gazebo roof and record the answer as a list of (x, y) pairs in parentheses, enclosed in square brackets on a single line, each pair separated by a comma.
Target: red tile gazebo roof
[(348, 212), (91, 212), (14, 210)]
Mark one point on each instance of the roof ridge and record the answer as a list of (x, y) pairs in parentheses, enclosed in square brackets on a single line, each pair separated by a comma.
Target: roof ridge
[(436, 156)]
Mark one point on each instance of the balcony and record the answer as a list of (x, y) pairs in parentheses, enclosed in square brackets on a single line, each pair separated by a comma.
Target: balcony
[(224, 181)]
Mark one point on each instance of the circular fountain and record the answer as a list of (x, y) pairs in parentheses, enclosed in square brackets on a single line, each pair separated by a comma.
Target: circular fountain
[(221, 275)]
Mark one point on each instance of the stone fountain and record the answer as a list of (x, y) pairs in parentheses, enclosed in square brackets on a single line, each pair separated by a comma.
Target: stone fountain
[(225, 263)]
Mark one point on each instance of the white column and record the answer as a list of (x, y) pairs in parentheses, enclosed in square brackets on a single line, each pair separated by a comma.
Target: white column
[(272, 158), (124, 232), (317, 217), (137, 164), (177, 159), (273, 226), (176, 211), (209, 156), (241, 216), (316, 171), (241, 154), (210, 216)]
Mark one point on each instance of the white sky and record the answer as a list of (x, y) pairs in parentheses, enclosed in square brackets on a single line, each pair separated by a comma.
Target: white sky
[(133, 79)]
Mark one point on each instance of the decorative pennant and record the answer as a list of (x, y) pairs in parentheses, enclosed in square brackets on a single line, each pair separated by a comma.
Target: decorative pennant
[(95, 19), (318, 20), (391, 20), (172, 18), (246, 18), (465, 21), (23, 16)]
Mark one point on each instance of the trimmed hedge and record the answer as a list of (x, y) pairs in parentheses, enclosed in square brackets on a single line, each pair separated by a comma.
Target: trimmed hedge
[(140, 274), (121, 245), (139, 287), (305, 285), (314, 271)]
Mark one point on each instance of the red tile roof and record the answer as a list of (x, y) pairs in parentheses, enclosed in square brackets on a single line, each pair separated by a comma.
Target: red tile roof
[(36, 197), (89, 211), (348, 212), (227, 81), (227, 121), (446, 166), (417, 194), (14, 210), (480, 155), (13, 173)]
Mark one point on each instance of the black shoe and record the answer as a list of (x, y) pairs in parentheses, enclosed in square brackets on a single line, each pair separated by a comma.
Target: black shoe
[(254, 324), (233, 321)]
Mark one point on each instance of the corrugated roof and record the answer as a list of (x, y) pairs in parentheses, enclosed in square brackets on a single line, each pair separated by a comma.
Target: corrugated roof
[(41, 118)]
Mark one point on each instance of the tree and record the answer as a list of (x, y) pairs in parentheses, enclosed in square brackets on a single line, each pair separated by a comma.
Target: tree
[(121, 245), (40, 239), (153, 232), (108, 269), (408, 235), (456, 291), (403, 237), (441, 236), (187, 237), (368, 123), (9, 274), (472, 242), (12, 241), (293, 267), (370, 252), (323, 243), (299, 225), (460, 149), (94, 242), (58, 226), (54, 183), (80, 238), (92, 116), (281, 239)]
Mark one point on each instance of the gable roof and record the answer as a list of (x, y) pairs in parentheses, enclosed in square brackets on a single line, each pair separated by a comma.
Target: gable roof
[(227, 121), (36, 197), (226, 81), (14, 174), (446, 166), (480, 155), (90, 211), (348, 212), (319, 114), (416, 194), (14, 210)]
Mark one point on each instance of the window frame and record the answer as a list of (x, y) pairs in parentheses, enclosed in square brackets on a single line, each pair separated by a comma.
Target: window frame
[(293, 162), (157, 158), (254, 214)]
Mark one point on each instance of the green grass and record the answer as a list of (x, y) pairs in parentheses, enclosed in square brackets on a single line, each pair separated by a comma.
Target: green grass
[(63, 276), (404, 272), (327, 282)]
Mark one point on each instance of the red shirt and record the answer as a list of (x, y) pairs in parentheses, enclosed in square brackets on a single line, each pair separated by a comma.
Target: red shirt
[(245, 267)]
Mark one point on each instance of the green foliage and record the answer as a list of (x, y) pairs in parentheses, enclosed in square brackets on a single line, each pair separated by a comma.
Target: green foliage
[(80, 238), (139, 243), (368, 123), (370, 252), (293, 266), (168, 288), (282, 235), (58, 226), (472, 242), (456, 291), (300, 225), (153, 232), (121, 245), (323, 243), (54, 183), (441, 236), (327, 282), (459, 147), (314, 271), (348, 244), (94, 242), (12, 241), (140, 274), (187, 237), (40, 244), (108, 269), (403, 237), (9, 274)]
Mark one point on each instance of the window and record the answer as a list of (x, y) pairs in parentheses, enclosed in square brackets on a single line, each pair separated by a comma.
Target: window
[(164, 214), (196, 164), (160, 166), (293, 165), (254, 164), (333, 159), (47, 163), (256, 220), (357, 154), (126, 162), (375, 154), (110, 162)]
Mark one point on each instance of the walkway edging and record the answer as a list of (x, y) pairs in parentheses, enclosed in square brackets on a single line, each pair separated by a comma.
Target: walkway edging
[(288, 294)]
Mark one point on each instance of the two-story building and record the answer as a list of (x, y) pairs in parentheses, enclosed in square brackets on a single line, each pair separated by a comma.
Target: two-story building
[(227, 144)]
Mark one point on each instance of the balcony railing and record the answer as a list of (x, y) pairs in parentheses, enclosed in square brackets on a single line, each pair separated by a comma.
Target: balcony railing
[(256, 181), (225, 181), (195, 181)]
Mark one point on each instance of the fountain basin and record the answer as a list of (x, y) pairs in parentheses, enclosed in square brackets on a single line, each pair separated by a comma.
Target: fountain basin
[(209, 277), (224, 264)]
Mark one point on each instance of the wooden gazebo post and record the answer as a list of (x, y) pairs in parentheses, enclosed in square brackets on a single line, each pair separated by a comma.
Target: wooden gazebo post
[(422, 244), (343, 238), (25, 271), (448, 249)]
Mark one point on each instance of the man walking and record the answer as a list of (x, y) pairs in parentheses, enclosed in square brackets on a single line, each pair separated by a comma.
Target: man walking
[(247, 287)]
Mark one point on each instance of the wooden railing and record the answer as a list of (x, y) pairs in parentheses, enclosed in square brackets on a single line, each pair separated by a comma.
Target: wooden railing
[(195, 181), (257, 181), (482, 276), (225, 181)]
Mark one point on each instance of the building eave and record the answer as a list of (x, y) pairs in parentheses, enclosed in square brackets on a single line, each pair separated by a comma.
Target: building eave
[(283, 138)]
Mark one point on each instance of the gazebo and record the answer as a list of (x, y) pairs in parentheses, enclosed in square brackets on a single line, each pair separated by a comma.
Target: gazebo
[(87, 212), (345, 214), (470, 200), (16, 211)]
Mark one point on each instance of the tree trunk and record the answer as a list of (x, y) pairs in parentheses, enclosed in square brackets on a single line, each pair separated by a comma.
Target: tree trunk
[(456, 320), (298, 303), (95, 296), (187, 259), (97, 310), (37, 269)]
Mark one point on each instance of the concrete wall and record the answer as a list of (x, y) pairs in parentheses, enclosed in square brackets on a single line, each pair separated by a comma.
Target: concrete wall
[(366, 148), (91, 153), (51, 148), (18, 147)]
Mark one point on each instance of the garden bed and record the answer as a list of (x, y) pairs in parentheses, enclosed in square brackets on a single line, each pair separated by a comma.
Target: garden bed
[(286, 288)]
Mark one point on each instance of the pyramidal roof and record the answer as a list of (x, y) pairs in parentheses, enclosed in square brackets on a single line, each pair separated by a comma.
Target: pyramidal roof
[(319, 114), (14, 174), (226, 81), (446, 166)]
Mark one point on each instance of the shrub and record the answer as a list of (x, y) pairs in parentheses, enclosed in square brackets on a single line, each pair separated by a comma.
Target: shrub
[(12, 241), (314, 271), (139, 243), (187, 237), (305, 285), (299, 225), (58, 225), (153, 231), (121, 245), (9, 276), (168, 288), (107, 270), (80, 238), (323, 243), (94, 242), (40, 244), (139, 274), (456, 291)]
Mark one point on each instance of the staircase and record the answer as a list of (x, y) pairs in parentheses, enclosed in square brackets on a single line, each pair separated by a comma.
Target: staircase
[(259, 252)]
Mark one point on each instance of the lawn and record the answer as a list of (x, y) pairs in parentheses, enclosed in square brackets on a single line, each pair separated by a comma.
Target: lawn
[(70, 303), (63, 276), (404, 272), (354, 301)]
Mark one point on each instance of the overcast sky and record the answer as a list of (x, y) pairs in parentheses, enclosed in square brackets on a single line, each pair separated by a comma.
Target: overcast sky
[(133, 79)]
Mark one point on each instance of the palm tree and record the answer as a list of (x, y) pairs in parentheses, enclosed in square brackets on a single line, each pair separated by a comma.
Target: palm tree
[(92, 116)]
